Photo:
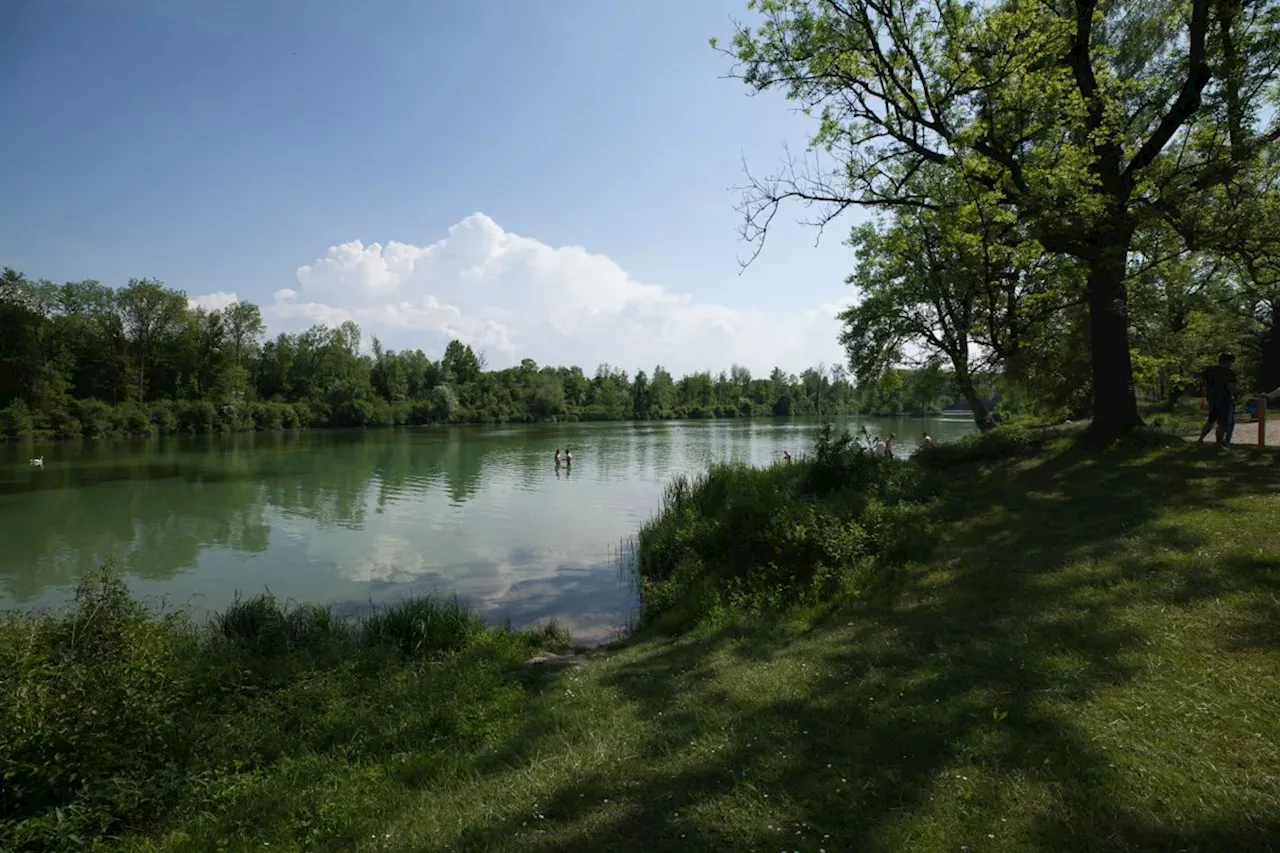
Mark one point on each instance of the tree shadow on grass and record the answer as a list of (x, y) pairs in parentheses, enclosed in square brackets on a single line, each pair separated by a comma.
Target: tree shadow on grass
[(921, 718)]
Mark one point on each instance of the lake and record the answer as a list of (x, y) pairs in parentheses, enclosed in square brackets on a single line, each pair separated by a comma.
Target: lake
[(361, 517)]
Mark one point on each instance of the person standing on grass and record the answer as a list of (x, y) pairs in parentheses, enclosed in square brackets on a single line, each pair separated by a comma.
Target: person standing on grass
[(1220, 394)]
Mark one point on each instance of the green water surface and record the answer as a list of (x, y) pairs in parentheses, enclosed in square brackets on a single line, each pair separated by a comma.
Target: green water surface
[(369, 516)]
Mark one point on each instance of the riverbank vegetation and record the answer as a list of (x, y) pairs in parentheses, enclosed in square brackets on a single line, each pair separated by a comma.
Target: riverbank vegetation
[(118, 718), (1008, 644), (81, 359)]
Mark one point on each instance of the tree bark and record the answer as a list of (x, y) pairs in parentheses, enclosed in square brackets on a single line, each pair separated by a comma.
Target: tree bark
[(981, 416), (1115, 405)]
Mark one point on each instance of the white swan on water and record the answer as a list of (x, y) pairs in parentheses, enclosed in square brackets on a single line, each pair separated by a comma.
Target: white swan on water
[(38, 461)]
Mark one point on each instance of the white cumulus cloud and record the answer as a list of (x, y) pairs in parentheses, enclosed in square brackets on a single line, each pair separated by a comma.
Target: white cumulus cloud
[(514, 297), (215, 301)]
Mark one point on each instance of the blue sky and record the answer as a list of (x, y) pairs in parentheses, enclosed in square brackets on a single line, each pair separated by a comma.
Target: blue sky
[(221, 146)]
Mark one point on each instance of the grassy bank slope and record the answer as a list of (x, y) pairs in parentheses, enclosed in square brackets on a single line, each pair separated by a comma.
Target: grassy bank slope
[(271, 724), (1063, 651), (1086, 659)]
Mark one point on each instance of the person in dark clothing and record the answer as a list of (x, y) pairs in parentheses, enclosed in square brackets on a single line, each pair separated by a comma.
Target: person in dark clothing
[(1220, 394)]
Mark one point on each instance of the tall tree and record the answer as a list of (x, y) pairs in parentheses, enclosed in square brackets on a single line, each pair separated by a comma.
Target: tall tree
[(959, 281), (244, 328), (1090, 118), (150, 313)]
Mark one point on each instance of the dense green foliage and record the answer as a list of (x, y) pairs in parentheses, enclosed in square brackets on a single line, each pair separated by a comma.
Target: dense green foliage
[(1064, 182), (117, 719), (738, 540), (81, 359)]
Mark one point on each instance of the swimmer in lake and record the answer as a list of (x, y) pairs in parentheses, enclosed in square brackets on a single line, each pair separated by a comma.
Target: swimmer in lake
[(568, 457), (557, 457)]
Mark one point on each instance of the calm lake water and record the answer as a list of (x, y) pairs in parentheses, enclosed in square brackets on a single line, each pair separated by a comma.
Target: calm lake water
[(357, 517)]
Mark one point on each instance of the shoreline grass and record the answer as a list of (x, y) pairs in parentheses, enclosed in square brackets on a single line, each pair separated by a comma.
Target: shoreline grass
[(268, 720), (1024, 646)]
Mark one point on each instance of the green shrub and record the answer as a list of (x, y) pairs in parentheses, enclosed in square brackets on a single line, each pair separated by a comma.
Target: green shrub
[(117, 721), (262, 626), (1003, 442), (164, 416), (16, 421), (97, 419), (421, 412), (422, 627), (133, 419), (295, 415), (313, 413), (233, 417), (268, 416), (92, 722), (197, 416), (740, 539), (63, 424)]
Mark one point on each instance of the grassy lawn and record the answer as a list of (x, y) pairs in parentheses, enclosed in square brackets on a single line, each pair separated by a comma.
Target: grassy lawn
[(1084, 655), (1090, 661)]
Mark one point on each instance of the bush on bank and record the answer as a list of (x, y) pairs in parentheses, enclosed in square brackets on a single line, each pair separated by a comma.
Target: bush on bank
[(117, 719), (756, 540), (740, 540)]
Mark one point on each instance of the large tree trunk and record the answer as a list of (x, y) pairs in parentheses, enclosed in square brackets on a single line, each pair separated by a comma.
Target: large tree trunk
[(1115, 405), (964, 382)]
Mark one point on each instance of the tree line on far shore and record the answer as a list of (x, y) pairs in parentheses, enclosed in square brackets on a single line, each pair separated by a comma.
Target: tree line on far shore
[(85, 359)]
